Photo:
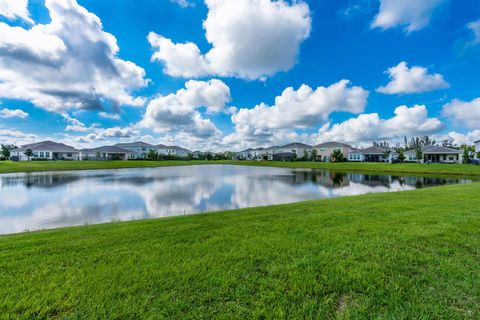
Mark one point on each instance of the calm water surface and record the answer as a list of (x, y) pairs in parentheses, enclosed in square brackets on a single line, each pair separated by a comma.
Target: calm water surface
[(32, 201)]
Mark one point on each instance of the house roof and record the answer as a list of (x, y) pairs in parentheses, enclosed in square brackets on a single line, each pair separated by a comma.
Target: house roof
[(440, 150), (375, 150), (354, 150), (296, 145), (135, 144), (332, 144), (477, 141), (47, 146), (107, 149)]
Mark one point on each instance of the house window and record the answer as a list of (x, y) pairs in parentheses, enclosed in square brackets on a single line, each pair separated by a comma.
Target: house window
[(47, 154), (35, 154), (42, 154), (69, 155)]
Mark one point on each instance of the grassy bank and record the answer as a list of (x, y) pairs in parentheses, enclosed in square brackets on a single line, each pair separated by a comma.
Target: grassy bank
[(408, 255), (443, 169)]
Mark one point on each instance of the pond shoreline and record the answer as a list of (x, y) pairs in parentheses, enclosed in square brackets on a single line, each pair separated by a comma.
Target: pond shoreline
[(407, 168)]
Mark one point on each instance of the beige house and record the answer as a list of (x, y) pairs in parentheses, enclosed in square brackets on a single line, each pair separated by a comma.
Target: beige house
[(325, 150)]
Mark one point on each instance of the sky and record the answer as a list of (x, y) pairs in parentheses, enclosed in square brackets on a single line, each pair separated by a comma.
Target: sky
[(231, 74)]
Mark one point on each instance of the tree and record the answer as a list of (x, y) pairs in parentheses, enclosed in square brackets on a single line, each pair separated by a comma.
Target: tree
[(314, 154), (466, 155), (152, 155), (419, 154), (5, 151), (305, 154), (401, 155), (208, 156), (337, 156), (29, 153)]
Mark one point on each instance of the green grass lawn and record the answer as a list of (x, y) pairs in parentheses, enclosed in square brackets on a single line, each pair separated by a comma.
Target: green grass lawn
[(454, 169), (407, 255)]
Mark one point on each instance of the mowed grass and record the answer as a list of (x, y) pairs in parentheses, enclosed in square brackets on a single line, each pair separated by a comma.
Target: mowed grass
[(439, 169), (406, 255)]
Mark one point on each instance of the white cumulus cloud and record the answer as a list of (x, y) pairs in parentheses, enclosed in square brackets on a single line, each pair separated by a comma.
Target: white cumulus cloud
[(13, 113), (250, 39), (370, 127), (15, 9), (412, 80), (413, 15), (179, 112), (295, 109), (466, 113), (69, 63)]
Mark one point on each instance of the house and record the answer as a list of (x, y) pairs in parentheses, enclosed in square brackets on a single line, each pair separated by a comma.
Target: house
[(325, 150), (46, 150), (436, 154), (267, 153), (249, 154), (140, 149), (477, 147), (356, 155), (297, 150), (174, 151), (379, 154), (439, 154), (106, 153)]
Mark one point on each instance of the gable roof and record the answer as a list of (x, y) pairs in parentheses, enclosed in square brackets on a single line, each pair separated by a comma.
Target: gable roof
[(135, 144), (375, 150), (107, 149), (47, 146), (440, 150), (296, 145), (332, 144)]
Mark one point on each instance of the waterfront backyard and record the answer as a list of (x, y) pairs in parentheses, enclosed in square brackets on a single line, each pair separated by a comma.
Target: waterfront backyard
[(411, 254)]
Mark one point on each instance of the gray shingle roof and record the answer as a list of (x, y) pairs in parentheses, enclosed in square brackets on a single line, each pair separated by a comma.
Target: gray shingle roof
[(107, 149), (47, 146), (296, 145), (440, 150), (375, 150), (135, 144), (332, 144)]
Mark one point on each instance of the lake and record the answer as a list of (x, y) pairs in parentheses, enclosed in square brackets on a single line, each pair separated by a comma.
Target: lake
[(33, 201)]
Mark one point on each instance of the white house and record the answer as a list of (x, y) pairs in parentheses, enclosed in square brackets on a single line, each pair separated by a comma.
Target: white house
[(140, 149), (249, 154), (355, 155), (436, 154), (173, 151), (46, 150), (477, 147), (106, 153)]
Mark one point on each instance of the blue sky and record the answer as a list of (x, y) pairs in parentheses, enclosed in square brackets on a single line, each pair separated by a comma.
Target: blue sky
[(215, 74)]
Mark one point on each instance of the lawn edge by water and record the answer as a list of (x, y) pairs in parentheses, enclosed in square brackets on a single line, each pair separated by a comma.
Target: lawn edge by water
[(411, 168)]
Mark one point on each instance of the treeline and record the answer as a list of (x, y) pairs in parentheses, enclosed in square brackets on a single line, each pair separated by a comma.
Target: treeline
[(5, 151)]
